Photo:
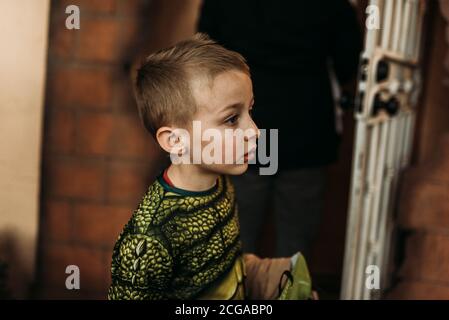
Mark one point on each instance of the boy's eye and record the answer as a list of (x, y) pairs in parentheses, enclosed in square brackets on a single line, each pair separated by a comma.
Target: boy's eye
[(232, 120)]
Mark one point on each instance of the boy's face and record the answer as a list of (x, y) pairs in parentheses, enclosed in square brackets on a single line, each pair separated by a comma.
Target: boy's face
[(224, 115)]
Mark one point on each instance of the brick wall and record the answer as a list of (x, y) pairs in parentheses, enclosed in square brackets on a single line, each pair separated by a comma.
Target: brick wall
[(424, 212), (97, 158), (423, 272)]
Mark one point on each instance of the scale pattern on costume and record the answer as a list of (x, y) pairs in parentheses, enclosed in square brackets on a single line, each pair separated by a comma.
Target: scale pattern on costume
[(175, 246)]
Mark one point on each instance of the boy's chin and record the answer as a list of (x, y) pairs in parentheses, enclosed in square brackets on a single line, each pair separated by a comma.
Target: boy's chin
[(234, 169), (238, 169)]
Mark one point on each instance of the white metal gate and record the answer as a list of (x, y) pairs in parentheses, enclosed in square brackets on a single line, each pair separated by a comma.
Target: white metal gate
[(387, 94)]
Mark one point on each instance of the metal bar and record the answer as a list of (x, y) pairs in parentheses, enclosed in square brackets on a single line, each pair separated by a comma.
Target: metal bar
[(382, 145), (375, 217), (390, 173), (391, 205), (411, 36), (387, 21), (366, 211), (353, 219), (372, 35), (397, 25), (405, 27)]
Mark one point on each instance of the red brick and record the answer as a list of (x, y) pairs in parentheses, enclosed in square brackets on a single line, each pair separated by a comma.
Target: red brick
[(127, 183), (134, 37), (133, 47), (98, 40), (61, 131), (76, 180), (436, 170), (57, 221), (427, 258), (133, 7), (93, 265), (132, 140), (132, 32), (95, 133), (81, 87), (441, 168), (100, 224), (444, 149), (424, 204), (124, 97), (61, 40), (415, 290)]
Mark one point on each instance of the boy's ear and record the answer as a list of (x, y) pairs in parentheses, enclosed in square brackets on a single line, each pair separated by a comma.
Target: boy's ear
[(165, 138), (173, 140)]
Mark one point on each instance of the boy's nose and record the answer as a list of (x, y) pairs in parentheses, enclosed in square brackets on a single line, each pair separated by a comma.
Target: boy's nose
[(254, 125), (255, 133)]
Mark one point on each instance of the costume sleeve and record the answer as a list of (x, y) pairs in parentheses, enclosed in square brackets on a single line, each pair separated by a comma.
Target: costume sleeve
[(141, 269)]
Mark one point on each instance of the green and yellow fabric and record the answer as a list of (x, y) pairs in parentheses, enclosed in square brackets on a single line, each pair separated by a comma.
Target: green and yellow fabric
[(180, 244), (299, 283)]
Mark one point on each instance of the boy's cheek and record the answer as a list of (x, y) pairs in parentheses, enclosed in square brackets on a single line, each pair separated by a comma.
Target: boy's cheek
[(230, 153)]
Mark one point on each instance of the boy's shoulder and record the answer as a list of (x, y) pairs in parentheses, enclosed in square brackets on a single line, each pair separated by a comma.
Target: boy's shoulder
[(161, 202)]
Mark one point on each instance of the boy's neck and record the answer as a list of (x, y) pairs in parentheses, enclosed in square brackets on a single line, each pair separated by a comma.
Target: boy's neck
[(191, 177)]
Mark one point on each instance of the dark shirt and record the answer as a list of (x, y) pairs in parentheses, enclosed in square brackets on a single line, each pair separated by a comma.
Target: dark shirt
[(288, 45)]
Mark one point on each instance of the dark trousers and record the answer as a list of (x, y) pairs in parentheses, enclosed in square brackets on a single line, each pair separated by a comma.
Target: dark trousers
[(297, 200)]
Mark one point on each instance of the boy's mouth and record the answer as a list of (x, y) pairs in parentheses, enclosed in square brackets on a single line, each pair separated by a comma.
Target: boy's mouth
[(250, 154)]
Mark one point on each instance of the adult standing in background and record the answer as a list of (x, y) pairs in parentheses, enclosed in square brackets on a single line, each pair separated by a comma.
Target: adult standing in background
[(289, 45)]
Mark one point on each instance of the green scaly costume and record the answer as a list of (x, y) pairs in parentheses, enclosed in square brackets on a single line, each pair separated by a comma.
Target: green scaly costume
[(181, 244), (177, 244)]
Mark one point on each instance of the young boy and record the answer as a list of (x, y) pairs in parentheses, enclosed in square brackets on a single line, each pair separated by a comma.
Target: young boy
[(183, 242)]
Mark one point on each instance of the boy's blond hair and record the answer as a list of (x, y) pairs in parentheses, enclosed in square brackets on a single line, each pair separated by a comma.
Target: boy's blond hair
[(163, 91)]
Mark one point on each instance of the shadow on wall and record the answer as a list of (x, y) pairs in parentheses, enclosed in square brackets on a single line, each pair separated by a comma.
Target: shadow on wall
[(97, 159), (12, 280)]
